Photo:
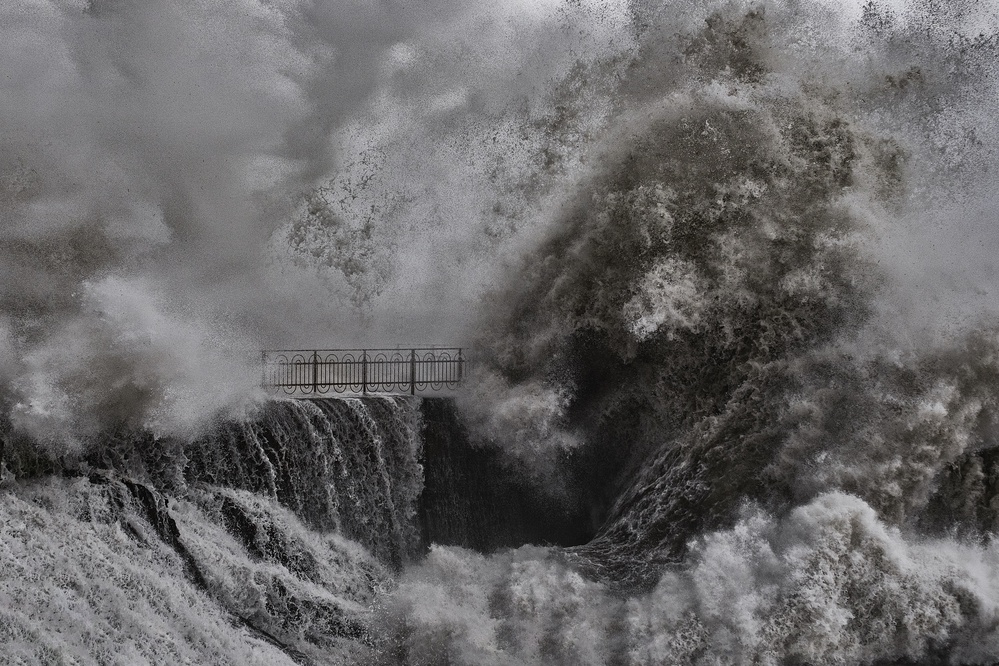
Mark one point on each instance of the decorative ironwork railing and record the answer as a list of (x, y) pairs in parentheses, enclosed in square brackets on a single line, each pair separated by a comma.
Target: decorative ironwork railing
[(322, 371)]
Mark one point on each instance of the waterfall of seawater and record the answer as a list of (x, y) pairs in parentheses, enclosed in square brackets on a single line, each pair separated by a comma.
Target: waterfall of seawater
[(346, 465), (264, 541)]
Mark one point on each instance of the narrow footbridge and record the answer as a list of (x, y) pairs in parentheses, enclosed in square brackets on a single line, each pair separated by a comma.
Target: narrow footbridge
[(316, 372)]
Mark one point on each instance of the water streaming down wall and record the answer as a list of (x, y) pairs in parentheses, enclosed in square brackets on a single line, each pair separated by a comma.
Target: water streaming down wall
[(264, 541), (395, 474), (347, 465)]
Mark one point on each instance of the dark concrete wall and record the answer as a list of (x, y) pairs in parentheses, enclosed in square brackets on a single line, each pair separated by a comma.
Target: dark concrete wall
[(476, 498)]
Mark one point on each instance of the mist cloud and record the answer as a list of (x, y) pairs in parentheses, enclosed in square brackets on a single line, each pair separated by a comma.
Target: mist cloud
[(144, 155)]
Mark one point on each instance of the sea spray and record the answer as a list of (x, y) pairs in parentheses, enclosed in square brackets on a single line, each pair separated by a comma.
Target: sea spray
[(828, 583), (729, 269), (799, 468)]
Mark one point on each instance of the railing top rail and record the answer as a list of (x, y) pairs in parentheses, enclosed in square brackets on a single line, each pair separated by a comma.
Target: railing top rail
[(361, 349)]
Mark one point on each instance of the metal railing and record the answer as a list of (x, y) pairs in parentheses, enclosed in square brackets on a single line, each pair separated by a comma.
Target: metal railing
[(362, 371)]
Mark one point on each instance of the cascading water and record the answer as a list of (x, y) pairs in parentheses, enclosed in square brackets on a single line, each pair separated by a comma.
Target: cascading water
[(348, 466), (729, 272), (254, 520)]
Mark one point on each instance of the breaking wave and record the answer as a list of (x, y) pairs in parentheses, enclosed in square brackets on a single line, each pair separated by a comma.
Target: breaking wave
[(730, 282), (790, 457)]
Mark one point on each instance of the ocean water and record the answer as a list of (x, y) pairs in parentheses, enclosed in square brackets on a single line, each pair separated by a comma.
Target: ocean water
[(725, 270)]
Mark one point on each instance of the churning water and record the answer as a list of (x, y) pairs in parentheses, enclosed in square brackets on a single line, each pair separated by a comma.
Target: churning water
[(727, 269)]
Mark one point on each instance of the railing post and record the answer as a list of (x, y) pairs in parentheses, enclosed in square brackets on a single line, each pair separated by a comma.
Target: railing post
[(364, 372), (461, 365), (412, 372), (315, 372)]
